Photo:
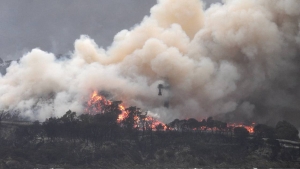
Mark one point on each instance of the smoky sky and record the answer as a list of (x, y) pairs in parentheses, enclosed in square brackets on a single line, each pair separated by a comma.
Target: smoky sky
[(54, 25), (239, 59)]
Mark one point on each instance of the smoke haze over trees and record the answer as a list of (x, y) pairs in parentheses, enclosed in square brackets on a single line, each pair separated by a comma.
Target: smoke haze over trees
[(239, 59), (101, 140)]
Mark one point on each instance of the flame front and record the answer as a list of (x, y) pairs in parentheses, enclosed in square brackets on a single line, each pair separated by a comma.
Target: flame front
[(249, 128), (123, 115), (97, 104)]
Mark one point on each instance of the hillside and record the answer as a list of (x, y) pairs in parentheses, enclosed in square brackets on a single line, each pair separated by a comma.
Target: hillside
[(90, 143)]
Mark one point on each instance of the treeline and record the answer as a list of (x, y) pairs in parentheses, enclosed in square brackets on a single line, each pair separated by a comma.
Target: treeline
[(282, 130), (107, 126), (82, 139)]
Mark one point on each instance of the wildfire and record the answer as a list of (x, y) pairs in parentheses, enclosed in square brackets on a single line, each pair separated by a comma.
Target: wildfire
[(97, 104), (123, 115), (249, 128), (155, 124)]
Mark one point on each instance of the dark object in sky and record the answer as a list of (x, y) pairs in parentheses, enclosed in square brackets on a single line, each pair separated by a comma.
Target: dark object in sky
[(160, 86), (166, 104)]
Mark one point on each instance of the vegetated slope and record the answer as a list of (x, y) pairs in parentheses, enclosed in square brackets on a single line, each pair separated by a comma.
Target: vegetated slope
[(31, 146)]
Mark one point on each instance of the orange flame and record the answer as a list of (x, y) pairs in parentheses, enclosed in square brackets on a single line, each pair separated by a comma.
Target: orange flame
[(123, 115), (97, 103), (249, 128)]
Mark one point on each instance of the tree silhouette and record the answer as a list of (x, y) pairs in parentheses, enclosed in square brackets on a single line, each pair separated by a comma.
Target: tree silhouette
[(241, 133), (202, 124), (51, 127), (210, 123), (192, 124), (264, 131), (174, 124), (221, 126), (286, 130), (130, 123)]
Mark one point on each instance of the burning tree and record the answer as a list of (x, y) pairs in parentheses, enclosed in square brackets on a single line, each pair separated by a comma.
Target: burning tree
[(134, 119), (129, 118)]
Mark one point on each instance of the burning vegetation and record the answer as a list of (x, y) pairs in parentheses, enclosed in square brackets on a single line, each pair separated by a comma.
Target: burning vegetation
[(108, 133), (216, 61), (99, 104)]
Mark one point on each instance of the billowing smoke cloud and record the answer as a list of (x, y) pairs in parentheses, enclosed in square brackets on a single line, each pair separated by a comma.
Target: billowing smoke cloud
[(240, 57)]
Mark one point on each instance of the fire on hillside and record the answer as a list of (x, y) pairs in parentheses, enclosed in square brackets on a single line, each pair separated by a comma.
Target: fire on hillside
[(250, 128), (99, 103)]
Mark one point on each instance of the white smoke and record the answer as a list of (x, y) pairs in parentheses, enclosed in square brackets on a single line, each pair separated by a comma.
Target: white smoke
[(216, 61)]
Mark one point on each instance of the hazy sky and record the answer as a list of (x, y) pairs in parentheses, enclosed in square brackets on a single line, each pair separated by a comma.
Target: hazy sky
[(53, 25)]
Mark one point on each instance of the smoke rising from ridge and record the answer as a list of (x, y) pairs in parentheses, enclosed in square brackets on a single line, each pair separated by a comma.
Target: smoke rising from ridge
[(241, 56)]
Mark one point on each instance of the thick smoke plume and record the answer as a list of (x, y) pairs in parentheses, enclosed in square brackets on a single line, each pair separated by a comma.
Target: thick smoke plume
[(239, 59)]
